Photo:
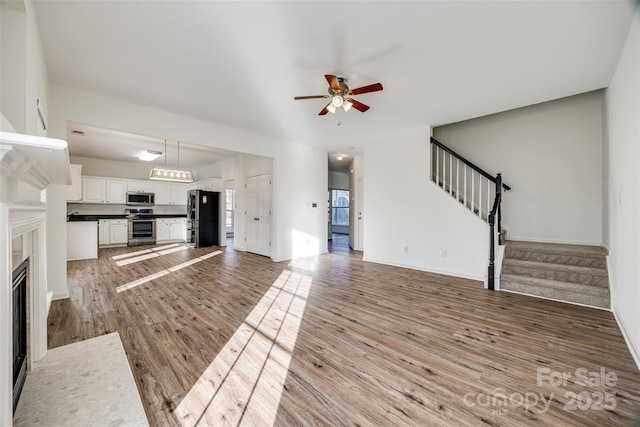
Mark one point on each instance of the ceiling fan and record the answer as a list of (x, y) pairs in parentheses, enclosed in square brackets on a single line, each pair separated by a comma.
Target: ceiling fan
[(338, 90)]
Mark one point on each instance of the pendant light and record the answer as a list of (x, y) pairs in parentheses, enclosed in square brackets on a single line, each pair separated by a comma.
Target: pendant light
[(171, 174)]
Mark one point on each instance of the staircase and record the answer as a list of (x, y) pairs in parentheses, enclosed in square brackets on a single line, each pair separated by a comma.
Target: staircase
[(570, 273)]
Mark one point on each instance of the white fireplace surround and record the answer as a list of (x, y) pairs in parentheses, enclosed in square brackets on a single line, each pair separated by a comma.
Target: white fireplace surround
[(27, 223)]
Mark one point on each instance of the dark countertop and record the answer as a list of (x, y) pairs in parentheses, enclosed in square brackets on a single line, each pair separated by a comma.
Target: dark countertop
[(97, 217)]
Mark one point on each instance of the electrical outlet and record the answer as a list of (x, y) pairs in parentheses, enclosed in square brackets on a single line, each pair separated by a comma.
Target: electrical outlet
[(443, 253), (406, 249)]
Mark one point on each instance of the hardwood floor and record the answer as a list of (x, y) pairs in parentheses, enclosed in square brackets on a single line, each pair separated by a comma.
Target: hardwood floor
[(338, 341)]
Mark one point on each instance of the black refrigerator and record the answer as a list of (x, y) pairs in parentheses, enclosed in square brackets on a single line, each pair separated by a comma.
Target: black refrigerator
[(204, 216)]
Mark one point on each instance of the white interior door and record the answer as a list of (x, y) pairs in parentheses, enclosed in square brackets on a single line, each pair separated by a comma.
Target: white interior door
[(258, 214), (359, 240)]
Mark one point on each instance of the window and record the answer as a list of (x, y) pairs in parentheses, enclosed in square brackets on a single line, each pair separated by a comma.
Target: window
[(340, 207), (229, 209)]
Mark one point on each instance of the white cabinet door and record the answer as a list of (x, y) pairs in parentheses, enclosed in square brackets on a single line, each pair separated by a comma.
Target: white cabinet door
[(103, 232), (163, 229), (163, 194), (177, 229), (140, 186), (116, 191), (118, 231), (93, 190), (74, 191), (179, 194)]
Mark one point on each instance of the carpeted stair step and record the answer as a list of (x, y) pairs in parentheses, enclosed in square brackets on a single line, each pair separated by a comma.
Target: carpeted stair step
[(553, 253), (596, 296), (571, 273), (557, 272)]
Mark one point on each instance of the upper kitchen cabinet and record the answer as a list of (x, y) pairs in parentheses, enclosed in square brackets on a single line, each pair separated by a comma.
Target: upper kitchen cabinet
[(170, 194), (209, 184), (74, 191), (140, 186), (103, 190)]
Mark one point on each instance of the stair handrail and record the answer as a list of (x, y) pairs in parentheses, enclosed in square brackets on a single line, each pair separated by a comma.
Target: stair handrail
[(496, 210), (467, 162)]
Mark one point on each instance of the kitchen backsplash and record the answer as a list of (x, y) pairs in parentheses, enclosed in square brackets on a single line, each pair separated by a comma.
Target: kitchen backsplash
[(109, 209)]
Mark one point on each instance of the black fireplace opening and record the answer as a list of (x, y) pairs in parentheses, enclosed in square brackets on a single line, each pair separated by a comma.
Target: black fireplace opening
[(19, 286)]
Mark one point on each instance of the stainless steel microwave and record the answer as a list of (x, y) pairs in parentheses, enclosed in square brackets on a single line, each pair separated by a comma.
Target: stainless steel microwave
[(140, 199)]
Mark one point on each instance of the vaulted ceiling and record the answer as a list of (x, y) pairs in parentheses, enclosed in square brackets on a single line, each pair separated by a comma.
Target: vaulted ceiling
[(240, 63)]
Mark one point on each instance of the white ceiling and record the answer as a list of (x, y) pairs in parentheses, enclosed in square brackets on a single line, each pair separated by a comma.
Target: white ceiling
[(109, 144), (241, 63)]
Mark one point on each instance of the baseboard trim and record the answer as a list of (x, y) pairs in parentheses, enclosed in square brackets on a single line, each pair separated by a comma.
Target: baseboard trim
[(634, 352), (443, 272), (60, 295)]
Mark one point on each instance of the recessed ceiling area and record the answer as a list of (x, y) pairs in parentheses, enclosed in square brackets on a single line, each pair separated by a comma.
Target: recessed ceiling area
[(99, 143)]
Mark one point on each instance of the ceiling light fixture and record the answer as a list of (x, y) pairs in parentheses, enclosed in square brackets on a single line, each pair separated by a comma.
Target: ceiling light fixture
[(150, 155), (171, 174), (339, 157)]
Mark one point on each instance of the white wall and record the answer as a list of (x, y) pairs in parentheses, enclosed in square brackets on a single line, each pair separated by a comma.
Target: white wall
[(404, 208), (622, 147), (24, 80), (299, 172), (551, 155)]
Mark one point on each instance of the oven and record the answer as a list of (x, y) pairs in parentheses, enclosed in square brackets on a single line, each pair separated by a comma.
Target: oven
[(142, 227)]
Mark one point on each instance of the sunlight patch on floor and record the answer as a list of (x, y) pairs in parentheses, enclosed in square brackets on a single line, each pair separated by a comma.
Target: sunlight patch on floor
[(244, 383), (144, 251), (169, 270), (154, 254)]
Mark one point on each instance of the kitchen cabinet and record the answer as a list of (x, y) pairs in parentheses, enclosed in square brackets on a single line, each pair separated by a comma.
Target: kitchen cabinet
[(103, 190), (74, 191), (103, 231), (140, 186), (112, 232), (170, 194), (93, 190), (82, 240), (118, 232), (178, 229), (171, 229), (162, 229), (209, 184)]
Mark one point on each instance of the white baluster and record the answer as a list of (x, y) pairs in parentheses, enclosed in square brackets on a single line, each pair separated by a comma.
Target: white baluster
[(480, 196), (437, 177), (457, 179), (465, 185), (488, 198), (450, 174), (473, 189)]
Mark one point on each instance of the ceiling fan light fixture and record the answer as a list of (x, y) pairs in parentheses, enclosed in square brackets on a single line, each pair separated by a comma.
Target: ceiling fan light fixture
[(347, 105), (337, 101), (150, 155), (331, 108)]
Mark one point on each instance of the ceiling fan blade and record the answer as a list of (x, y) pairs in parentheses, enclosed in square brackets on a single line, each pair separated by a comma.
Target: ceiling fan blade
[(333, 82), (325, 110), (358, 105), (366, 89), (311, 97)]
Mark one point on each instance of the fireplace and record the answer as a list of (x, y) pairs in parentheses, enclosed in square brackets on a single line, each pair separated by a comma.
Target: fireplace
[(20, 328)]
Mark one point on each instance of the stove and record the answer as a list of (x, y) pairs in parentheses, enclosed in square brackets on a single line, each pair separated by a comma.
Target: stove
[(142, 226)]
